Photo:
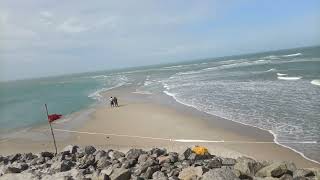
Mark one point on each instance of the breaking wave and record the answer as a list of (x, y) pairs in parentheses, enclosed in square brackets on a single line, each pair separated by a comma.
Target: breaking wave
[(289, 78), (315, 82)]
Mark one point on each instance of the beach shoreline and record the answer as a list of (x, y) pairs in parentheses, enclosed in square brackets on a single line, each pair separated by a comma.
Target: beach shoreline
[(171, 121)]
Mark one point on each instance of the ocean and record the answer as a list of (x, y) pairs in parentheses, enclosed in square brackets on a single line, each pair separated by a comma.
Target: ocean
[(277, 91)]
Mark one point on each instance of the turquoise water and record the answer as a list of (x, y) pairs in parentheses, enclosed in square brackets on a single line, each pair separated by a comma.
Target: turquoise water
[(276, 91), (22, 102)]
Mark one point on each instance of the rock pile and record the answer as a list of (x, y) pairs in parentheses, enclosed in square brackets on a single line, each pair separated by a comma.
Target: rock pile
[(89, 163)]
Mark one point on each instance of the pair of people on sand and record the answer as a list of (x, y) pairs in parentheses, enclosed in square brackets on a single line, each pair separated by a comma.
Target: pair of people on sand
[(114, 102)]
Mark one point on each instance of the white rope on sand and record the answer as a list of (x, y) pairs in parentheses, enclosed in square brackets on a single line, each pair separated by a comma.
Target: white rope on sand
[(185, 140)]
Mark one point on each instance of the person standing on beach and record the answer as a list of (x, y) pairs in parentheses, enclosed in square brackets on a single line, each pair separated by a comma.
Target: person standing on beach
[(115, 101), (111, 101)]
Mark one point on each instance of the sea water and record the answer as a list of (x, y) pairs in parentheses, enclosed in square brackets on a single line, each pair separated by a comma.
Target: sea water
[(276, 91)]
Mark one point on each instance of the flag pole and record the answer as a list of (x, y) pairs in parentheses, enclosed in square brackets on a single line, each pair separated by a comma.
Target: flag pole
[(54, 140)]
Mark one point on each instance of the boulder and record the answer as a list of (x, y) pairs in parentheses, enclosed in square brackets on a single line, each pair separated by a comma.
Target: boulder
[(152, 169), (66, 165), (142, 158), (219, 174), (86, 161), (157, 152), (158, 175), (129, 163), (71, 149), (190, 173), (14, 157), (103, 162), (47, 154), (107, 171), (277, 169), (228, 162), (303, 173), (185, 155), (247, 167), (214, 163), (11, 169), (89, 149), (286, 177), (163, 159), (144, 166), (100, 154), (116, 154), (134, 153), (174, 157), (62, 166), (120, 174)]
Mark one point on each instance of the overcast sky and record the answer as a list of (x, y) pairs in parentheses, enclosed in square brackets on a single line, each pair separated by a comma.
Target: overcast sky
[(49, 37)]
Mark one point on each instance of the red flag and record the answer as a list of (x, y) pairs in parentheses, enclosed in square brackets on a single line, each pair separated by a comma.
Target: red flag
[(53, 117)]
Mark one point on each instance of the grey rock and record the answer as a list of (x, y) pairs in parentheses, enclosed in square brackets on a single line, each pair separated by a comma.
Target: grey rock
[(174, 157), (100, 154), (163, 159), (159, 176), (142, 158), (185, 155), (23, 166), (152, 169), (228, 162), (39, 160), (89, 149), (47, 154), (103, 162), (134, 153), (14, 157), (61, 166), (116, 154), (276, 169), (190, 173), (247, 167), (219, 174), (107, 171), (186, 163), (286, 177), (303, 173), (12, 170), (214, 163), (71, 149), (86, 161), (149, 162), (129, 163), (120, 174), (66, 165), (157, 152), (174, 172), (173, 178)]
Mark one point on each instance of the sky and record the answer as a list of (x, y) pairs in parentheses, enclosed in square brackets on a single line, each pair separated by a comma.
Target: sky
[(44, 38)]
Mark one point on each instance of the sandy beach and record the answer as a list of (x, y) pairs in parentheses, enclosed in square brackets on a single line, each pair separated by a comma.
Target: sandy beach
[(142, 121)]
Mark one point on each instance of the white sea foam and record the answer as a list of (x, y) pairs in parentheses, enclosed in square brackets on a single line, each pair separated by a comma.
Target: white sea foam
[(99, 76), (292, 55), (315, 82), (272, 57), (275, 136), (271, 70), (289, 78), (97, 94), (280, 74)]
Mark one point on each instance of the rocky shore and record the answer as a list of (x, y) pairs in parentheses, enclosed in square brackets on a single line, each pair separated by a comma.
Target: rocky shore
[(90, 163)]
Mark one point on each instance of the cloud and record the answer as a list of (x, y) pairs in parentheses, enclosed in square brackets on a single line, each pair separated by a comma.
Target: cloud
[(72, 25), (81, 35)]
